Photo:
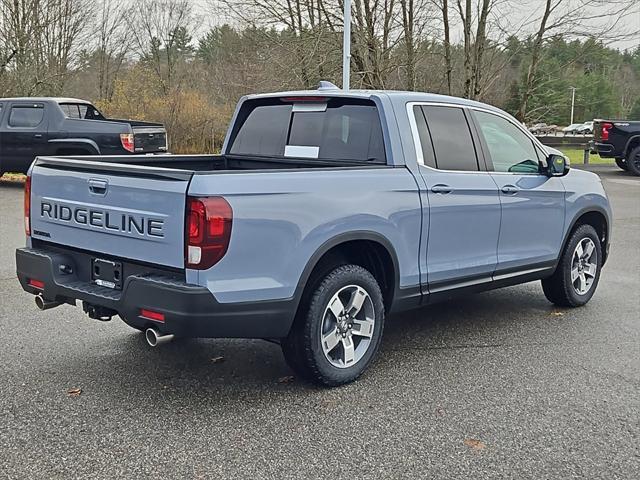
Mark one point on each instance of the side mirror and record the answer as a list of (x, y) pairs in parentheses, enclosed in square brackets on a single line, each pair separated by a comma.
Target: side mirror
[(557, 165)]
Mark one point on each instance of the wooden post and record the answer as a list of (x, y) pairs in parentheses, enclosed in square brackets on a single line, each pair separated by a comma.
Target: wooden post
[(586, 156)]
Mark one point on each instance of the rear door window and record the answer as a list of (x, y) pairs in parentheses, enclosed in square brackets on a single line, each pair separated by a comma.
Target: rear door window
[(70, 110), (81, 111), (426, 146), (26, 116), (451, 137)]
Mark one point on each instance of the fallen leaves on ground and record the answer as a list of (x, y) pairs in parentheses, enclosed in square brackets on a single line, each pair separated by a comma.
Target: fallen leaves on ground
[(474, 444), (557, 314), (217, 359), (13, 177), (74, 392), (287, 379)]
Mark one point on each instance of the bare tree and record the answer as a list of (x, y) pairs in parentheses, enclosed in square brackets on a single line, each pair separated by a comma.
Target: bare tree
[(309, 32), (475, 43), (113, 44), (159, 29), (443, 7), (40, 37)]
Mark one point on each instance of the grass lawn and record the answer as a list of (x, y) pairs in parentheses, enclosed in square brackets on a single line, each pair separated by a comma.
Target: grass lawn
[(577, 157)]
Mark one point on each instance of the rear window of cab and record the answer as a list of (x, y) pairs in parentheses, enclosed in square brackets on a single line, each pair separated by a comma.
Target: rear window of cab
[(333, 129)]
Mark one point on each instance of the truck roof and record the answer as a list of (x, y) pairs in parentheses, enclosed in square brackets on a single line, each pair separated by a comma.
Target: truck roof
[(394, 95), (46, 99)]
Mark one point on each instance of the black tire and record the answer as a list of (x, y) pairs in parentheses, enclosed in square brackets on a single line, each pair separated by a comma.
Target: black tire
[(622, 163), (303, 348), (633, 161), (559, 288)]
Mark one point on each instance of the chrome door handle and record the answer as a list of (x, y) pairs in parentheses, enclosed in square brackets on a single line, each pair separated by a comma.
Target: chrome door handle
[(509, 190), (441, 188), (38, 135)]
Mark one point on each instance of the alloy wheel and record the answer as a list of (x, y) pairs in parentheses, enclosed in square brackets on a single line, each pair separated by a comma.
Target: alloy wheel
[(347, 326), (584, 266)]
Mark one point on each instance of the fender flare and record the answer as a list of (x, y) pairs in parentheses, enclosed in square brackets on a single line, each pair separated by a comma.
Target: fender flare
[(627, 146), (86, 143), (339, 239), (574, 221)]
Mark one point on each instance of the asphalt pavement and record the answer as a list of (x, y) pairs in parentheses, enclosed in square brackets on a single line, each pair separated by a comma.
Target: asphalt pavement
[(496, 385)]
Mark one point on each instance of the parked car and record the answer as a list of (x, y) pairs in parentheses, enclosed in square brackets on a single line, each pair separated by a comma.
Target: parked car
[(618, 139), (326, 211), (543, 129), (571, 129), (585, 129), (31, 127), (538, 128)]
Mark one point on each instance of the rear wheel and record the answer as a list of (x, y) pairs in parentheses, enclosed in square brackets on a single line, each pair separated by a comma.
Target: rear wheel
[(339, 329), (633, 161), (576, 278), (622, 163)]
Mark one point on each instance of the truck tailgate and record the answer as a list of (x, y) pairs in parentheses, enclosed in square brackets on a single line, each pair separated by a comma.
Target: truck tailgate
[(125, 211), (149, 139)]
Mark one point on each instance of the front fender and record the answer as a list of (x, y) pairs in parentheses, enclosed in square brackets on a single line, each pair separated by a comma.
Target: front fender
[(584, 194)]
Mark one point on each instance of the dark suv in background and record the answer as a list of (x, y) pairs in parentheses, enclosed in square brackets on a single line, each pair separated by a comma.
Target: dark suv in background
[(31, 127)]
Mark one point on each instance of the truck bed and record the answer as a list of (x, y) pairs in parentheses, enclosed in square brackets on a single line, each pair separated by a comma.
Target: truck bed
[(202, 163)]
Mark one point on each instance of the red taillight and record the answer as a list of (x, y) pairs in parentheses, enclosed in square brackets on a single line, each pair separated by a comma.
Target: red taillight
[(36, 283), (127, 141), (27, 207), (604, 133), (208, 231), (151, 315)]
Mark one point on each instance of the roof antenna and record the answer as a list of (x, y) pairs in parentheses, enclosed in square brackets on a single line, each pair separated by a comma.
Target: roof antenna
[(325, 85)]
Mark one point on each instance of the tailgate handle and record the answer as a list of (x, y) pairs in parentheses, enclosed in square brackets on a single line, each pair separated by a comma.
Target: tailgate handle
[(98, 187)]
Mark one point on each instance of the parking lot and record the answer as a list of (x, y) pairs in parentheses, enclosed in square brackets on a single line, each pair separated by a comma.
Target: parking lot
[(501, 385)]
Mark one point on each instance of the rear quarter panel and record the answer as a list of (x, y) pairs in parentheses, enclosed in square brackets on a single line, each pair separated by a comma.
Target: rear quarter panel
[(105, 135), (281, 218)]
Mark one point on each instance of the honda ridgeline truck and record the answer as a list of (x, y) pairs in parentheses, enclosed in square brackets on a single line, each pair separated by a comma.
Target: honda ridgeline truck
[(326, 211), (32, 127)]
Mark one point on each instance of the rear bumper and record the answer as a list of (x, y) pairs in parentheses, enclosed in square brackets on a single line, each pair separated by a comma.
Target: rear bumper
[(603, 149), (189, 310)]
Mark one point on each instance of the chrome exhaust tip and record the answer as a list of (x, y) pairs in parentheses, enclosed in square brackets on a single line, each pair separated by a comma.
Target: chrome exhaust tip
[(43, 304), (155, 338)]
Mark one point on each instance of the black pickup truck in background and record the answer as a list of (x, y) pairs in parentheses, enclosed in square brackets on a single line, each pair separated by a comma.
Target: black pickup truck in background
[(620, 140), (31, 127)]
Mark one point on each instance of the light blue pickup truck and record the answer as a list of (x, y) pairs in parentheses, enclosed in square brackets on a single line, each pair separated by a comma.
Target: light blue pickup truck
[(326, 211)]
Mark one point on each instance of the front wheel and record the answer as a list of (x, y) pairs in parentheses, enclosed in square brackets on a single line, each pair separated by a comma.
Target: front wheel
[(339, 328), (633, 161), (576, 278)]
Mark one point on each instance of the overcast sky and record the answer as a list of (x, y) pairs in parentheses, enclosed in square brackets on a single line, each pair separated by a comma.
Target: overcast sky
[(520, 15)]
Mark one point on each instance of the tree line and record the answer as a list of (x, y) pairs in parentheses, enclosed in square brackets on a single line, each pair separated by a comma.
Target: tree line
[(158, 60)]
